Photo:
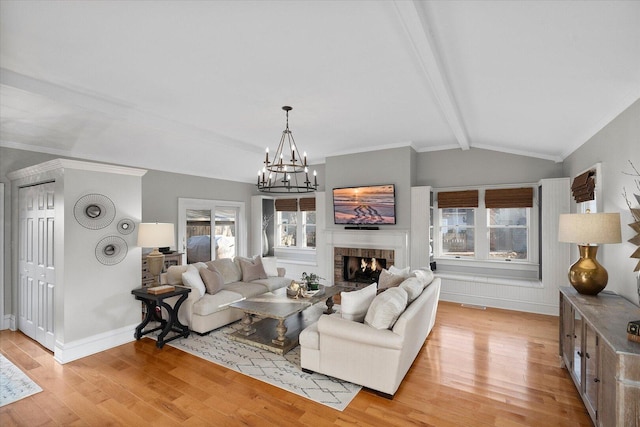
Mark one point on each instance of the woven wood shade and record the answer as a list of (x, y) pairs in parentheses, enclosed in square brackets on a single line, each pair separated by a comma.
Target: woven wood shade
[(308, 204), (458, 199), (509, 198), (289, 205), (583, 186)]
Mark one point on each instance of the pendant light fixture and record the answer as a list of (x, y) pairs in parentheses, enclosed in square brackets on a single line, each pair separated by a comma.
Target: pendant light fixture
[(287, 171)]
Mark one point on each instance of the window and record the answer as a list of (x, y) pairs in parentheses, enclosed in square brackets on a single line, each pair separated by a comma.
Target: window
[(485, 224), (296, 223)]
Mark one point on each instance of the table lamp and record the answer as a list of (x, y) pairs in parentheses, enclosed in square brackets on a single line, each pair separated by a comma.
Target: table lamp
[(587, 276), (155, 235)]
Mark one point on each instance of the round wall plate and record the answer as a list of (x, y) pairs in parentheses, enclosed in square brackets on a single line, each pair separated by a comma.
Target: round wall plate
[(111, 250), (126, 226), (94, 211)]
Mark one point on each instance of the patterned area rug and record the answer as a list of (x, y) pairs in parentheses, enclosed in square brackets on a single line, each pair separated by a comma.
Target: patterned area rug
[(14, 384), (281, 371)]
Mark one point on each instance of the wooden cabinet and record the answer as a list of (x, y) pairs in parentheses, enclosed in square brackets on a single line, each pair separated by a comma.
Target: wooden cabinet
[(603, 363), (174, 258)]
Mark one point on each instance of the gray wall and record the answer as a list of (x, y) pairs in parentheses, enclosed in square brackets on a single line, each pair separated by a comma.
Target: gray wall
[(456, 168), (615, 145)]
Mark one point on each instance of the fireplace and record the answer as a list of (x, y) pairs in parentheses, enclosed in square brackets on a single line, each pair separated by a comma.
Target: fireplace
[(359, 267)]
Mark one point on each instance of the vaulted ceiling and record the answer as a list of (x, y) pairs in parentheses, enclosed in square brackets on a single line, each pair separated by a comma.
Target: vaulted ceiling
[(197, 86)]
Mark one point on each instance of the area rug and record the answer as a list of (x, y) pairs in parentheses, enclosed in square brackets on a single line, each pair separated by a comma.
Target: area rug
[(14, 384), (280, 371)]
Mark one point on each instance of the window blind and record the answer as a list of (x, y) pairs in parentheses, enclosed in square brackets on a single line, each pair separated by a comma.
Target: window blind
[(583, 186), (308, 204), (289, 205), (509, 198), (458, 199)]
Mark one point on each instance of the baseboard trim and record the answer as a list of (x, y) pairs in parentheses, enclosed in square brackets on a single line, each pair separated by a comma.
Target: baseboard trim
[(506, 304), (68, 352)]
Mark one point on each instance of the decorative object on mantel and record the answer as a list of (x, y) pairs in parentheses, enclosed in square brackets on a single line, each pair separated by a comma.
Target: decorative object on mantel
[(155, 235), (587, 276), (635, 213), (311, 280), (286, 175)]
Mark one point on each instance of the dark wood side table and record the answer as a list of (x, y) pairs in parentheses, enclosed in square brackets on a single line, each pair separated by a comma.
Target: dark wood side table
[(151, 301)]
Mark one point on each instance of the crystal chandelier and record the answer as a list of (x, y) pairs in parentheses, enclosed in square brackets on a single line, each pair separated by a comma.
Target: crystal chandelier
[(286, 173)]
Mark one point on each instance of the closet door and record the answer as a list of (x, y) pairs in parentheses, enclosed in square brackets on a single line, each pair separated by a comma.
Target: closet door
[(36, 263)]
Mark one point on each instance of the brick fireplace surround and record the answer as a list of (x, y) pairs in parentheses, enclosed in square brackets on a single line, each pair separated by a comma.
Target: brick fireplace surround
[(338, 262)]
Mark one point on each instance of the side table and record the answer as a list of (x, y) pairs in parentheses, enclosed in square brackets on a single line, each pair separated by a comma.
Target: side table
[(151, 301)]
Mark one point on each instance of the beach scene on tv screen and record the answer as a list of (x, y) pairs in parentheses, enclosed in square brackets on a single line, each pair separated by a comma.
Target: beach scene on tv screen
[(364, 205)]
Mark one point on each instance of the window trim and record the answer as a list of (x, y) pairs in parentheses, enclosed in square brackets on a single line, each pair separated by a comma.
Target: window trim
[(481, 233)]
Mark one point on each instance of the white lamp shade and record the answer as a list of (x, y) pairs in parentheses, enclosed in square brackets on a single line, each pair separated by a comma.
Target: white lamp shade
[(155, 235), (590, 228)]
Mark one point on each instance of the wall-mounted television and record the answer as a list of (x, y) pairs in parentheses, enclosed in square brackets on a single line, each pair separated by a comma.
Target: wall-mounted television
[(370, 205)]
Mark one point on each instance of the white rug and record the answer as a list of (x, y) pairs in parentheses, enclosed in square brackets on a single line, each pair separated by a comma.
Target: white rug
[(281, 371), (14, 384)]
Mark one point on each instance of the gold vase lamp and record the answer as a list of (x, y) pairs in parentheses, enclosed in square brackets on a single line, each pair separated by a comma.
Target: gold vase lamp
[(587, 275)]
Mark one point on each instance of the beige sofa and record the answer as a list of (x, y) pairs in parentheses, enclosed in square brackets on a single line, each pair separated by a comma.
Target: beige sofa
[(362, 354), (203, 312)]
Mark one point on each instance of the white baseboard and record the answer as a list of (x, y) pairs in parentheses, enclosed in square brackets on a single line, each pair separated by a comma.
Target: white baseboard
[(68, 352), (506, 304)]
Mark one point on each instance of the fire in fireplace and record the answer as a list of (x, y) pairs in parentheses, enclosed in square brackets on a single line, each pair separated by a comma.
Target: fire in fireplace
[(362, 269)]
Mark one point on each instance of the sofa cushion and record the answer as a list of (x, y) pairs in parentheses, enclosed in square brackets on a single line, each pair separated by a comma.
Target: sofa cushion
[(213, 280), (424, 275), (210, 304), (273, 283), (245, 289), (230, 270), (191, 278), (252, 269), (413, 287), (270, 265), (354, 305), (404, 272), (386, 308), (389, 280)]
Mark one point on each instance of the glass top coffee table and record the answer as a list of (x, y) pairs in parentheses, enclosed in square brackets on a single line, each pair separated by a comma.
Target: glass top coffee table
[(282, 317)]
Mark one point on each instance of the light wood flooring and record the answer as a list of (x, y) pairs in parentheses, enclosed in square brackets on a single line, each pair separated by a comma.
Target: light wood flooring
[(478, 368)]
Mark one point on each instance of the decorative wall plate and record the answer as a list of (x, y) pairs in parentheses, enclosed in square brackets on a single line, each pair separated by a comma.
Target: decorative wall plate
[(94, 211), (111, 250), (126, 226)]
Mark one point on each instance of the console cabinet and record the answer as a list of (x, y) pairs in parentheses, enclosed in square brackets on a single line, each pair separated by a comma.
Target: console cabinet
[(603, 363)]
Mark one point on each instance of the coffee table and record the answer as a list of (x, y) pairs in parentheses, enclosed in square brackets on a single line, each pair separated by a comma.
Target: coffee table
[(282, 317)]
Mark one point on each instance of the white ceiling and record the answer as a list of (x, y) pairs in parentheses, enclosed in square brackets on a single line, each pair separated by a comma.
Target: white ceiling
[(196, 86)]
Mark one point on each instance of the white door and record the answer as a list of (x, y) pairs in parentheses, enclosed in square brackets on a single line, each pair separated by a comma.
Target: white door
[(36, 263)]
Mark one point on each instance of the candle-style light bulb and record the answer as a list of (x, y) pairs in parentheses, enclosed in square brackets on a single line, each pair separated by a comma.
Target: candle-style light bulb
[(305, 158), (315, 178), (266, 160)]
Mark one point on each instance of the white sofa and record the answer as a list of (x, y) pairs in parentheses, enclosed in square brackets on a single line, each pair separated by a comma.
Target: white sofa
[(375, 358), (203, 312)]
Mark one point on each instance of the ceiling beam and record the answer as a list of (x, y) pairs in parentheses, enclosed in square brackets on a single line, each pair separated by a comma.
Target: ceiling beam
[(417, 32)]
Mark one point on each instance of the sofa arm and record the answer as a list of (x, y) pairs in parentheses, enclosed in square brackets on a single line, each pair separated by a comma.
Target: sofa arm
[(282, 271), (349, 330)]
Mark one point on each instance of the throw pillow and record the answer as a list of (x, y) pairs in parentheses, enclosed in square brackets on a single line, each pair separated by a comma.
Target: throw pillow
[(212, 279), (228, 268), (252, 269), (404, 272), (425, 276), (413, 287), (388, 280), (270, 265), (386, 308), (354, 304), (191, 278)]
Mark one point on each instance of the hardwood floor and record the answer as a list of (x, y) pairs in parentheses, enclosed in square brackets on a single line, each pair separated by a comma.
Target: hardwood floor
[(478, 368)]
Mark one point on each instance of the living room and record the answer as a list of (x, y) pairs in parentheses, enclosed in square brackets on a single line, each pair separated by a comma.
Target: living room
[(610, 141)]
